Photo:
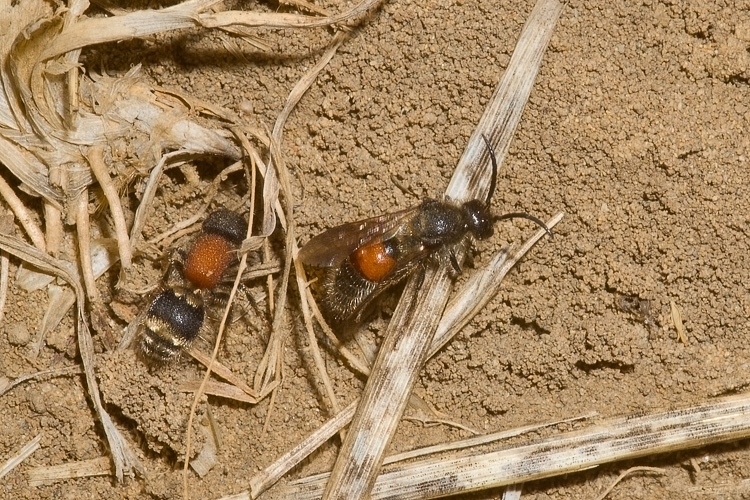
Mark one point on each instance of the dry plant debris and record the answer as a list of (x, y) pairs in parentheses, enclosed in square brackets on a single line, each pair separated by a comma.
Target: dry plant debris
[(477, 469), (63, 131)]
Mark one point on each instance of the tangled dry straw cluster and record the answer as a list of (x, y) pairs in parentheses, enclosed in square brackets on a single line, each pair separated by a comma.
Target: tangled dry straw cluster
[(77, 141)]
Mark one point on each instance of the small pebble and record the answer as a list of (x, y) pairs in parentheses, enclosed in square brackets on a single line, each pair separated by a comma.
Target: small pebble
[(18, 333)]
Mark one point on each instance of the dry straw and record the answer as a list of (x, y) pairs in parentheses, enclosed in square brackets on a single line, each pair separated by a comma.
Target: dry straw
[(476, 468), (409, 335), (62, 130)]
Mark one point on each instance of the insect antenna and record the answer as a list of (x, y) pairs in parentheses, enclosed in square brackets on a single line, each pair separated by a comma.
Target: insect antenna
[(493, 181), (521, 215)]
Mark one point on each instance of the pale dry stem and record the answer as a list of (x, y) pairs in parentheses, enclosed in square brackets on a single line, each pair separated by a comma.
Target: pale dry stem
[(187, 226), (311, 338), (269, 365), (84, 245), (225, 317), (39, 476), (99, 168), (256, 19), (54, 372), (200, 392), (22, 455), (357, 364), (23, 215), (124, 459), (408, 337), (147, 198), (622, 438), (654, 470)]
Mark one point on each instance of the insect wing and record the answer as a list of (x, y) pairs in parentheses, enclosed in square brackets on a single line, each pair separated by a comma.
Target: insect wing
[(332, 246)]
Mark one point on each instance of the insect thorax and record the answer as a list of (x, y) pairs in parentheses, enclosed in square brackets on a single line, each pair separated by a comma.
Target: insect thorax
[(440, 223)]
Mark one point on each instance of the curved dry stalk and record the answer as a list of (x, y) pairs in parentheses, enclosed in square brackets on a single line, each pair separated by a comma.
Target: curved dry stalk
[(152, 184), (199, 393), (655, 470), (259, 19), (299, 272), (220, 334), (189, 14), (354, 361), (98, 167), (29, 170), (55, 372), (23, 215), (269, 364), (186, 226)]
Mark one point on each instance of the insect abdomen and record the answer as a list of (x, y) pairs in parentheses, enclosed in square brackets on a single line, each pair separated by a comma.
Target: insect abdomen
[(173, 321), (207, 260), (374, 261), (346, 289)]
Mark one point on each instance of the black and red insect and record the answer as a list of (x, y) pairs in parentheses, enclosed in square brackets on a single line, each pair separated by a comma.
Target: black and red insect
[(176, 315), (364, 258)]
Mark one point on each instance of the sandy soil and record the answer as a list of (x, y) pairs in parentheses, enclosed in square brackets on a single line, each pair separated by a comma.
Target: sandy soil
[(635, 128)]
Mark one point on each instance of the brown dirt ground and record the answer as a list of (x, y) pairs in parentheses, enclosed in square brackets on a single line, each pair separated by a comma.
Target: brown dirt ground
[(636, 128)]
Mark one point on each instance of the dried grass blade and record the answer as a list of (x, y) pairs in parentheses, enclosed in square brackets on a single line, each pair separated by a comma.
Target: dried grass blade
[(503, 112), (726, 419), (480, 288), (400, 358), (221, 390), (22, 455), (23, 215), (260, 19), (415, 320), (99, 168), (273, 181), (85, 468), (268, 476), (55, 372), (94, 30), (28, 169)]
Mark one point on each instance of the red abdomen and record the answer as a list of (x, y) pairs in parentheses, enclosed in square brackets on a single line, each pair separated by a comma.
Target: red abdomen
[(373, 261), (207, 260)]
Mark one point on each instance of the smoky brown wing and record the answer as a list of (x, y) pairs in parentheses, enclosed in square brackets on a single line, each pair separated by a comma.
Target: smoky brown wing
[(332, 246)]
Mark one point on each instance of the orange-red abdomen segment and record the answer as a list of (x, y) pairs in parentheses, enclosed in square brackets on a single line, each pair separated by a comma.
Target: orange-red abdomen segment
[(207, 260), (373, 261)]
